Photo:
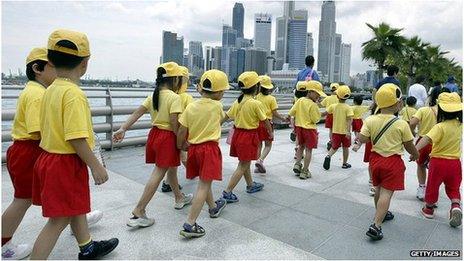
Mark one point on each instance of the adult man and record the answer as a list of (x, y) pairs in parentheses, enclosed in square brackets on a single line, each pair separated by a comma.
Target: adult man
[(392, 73), (451, 84), (308, 73), (419, 92)]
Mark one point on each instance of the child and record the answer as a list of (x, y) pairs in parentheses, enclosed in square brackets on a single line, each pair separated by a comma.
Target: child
[(307, 115), (161, 147), (270, 109), (246, 113), (341, 129), (408, 111), (202, 121), (61, 180), (332, 99), (388, 135), (297, 95), (445, 164), (358, 112)]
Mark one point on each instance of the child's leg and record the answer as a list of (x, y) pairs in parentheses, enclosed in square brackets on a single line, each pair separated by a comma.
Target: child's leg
[(299, 153), (376, 196), (210, 199), (204, 188), (80, 229), (346, 153), (383, 203), (172, 180), (247, 175), (307, 158), (239, 172), (47, 238), (13, 216), (332, 151), (266, 150), (260, 146), (149, 191)]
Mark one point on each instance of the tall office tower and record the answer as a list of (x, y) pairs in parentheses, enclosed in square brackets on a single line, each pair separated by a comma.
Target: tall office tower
[(238, 15), (346, 62), (281, 41), (217, 56), (229, 36), (263, 25), (289, 8), (336, 65), (326, 45), (296, 41), (173, 48), (256, 60), (309, 44), (208, 58)]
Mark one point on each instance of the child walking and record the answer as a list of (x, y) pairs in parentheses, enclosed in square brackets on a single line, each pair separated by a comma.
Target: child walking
[(358, 111), (388, 135), (246, 113), (307, 115), (410, 109), (332, 99), (445, 164), (161, 147), (341, 129), (270, 109), (202, 121)]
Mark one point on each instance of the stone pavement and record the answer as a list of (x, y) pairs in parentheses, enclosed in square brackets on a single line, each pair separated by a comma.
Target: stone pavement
[(324, 217)]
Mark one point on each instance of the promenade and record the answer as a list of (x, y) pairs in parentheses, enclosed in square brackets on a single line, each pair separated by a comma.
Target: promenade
[(324, 217)]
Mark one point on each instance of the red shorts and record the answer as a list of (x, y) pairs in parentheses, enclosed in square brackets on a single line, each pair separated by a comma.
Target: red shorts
[(447, 171), (387, 172), (161, 148), (61, 185), (307, 137), (204, 160), (244, 144), (262, 132), (424, 153), (367, 151), (20, 160), (356, 125), (329, 121), (340, 140)]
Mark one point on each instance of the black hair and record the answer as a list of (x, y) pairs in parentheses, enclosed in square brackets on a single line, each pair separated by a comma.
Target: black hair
[(251, 90), (30, 72), (436, 83), (358, 99), (411, 101), (446, 116), (420, 79), (435, 93), (64, 60), (299, 94), (309, 61), (392, 69), (206, 84), (265, 91), (160, 80)]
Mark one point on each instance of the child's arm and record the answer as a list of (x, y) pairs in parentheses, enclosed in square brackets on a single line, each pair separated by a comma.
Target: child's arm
[(226, 118), (118, 136), (413, 124), (182, 137), (269, 128), (84, 152), (409, 146), (276, 114), (348, 127), (423, 142), (174, 121)]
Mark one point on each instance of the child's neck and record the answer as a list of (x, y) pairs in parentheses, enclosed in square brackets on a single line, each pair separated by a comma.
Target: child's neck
[(388, 111), (73, 75), (41, 82)]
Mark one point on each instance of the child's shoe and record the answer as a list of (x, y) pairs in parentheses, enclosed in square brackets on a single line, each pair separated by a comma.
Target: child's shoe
[(167, 188), (420, 193), (220, 205), (187, 200), (255, 187), (260, 166), (230, 197), (297, 167), (305, 174), (374, 232), (371, 189), (346, 166), (389, 216), (98, 249), (427, 212), (191, 231), (11, 251), (326, 162), (329, 145), (143, 221), (455, 217)]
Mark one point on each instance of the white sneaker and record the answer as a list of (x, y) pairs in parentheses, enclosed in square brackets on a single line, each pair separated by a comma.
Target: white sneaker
[(455, 217), (371, 190), (184, 202), (420, 193), (140, 222), (93, 217), (11, 251)]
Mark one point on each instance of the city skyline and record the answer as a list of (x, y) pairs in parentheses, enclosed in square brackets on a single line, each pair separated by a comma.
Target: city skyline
[(132, 50)]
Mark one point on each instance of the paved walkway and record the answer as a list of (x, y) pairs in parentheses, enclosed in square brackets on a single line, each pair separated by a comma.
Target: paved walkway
[(324, 217)]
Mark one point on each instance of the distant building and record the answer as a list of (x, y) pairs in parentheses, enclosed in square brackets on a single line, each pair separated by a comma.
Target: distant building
[(345, 62), (372, 78), (309, 44), (208, 58), (262, 37), (297, 32), (195, 58), (284, 80), (238, 16), (256, 60), (173, 47), (216, 58), (336, 65), (359, 81), (243, 43), (326, 46), (229, 36), (281, 41)]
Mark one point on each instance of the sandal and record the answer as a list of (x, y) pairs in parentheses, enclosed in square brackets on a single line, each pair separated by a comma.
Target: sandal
[(346, 166)]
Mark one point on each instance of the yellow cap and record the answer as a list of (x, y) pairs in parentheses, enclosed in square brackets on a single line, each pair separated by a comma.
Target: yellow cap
[(248, 79), (334, 86), (315, 86), (185, 75), (302, 86), (450, 102), (77, 38), (172, 69), (265, 82), (387, 95), (343, 92), (218, 81), (37, 54)]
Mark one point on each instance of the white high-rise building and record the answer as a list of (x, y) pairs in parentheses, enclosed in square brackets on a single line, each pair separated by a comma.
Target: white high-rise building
[(263, 26), (296, 41), (335, 65), (309, 44), (345, 62)]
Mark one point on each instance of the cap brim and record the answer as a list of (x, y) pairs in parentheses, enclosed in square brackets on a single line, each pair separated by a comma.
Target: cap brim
[(454, 107), (322, 94), (267, 86)]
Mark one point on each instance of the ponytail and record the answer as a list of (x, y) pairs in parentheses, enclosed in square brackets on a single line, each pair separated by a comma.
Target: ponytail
[(251, 90), (159, 80)]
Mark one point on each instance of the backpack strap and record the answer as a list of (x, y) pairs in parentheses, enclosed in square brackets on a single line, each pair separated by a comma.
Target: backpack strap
[(384, 129)]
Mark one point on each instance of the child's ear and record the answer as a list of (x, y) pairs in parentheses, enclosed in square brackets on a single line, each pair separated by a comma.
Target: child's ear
[(83, 65)]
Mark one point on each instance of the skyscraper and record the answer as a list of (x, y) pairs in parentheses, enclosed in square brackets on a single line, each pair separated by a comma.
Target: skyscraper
[(263, 25), (256, 60), (281, 41), (195, 58), (173, 48), (208, 58), (216, 60), (346, 62), (326, 45), (229, 36), (195, 47), (309, 44), (336, 65), (289, 8), (238, 19), (296, 41)]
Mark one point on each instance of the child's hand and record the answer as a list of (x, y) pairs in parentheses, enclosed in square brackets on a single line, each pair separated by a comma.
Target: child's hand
[(412, 158), (118, 136), (185, 146), (356, 147), (348, 135), (99, 175), (271, 135)]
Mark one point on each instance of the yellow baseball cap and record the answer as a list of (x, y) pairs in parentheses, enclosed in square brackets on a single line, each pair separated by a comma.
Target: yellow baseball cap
[(172, 69), (248, 79), (302, 86), (185, 77), (343, 92), (218, 81), (450, 102), (37, 54), (387, 95), (265, 82), (315, 86), (77, 38), (334, 86)]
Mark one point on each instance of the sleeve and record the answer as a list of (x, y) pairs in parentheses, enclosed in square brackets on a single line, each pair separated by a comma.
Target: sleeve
[(259, 110), (349, 112), (176, 105), (324, 101), (183, 119), (402, 111), (330, 109), (147, 103), (435, 134), (33, 115), (75, 118), (407, 134), (365, 109), (315, 76), (314, 113), (365, 129), (274, 105), (292, 111), (418, 115), (232, 112)]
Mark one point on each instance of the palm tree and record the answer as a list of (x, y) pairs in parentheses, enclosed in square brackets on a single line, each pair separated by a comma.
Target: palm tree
[(435, 66), (413, 57)]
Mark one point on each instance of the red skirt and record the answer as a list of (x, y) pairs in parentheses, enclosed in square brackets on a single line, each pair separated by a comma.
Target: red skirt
[(329, 121), (387, 172), (61, 185), (424, 153), (244, 144), (204, 160), (367, 151), (307, 137), (20, 160), (262, 131), (356, 125), (161, 148)]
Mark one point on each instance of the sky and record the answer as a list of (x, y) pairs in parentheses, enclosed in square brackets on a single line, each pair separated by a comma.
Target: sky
[(126, 36)]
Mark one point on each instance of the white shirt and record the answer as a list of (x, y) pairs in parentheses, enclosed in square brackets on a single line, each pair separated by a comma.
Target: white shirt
[(420, 93)]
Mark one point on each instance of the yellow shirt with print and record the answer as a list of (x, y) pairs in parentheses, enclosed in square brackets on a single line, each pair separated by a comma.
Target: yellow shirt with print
[(446, 139), (269, 102), (64, 116), (247, 114), (306, 113), (27, 116), (329, 100), (185, 99), (341, 113), (203, 119), (169, 103), (407, 113), (359, 110), (427, 117)]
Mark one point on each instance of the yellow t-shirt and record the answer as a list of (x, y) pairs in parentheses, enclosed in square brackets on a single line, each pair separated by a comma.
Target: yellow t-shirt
[(427, 117), (359, 110), (169, 103), (341, 113), (329, 100), (247, 114), (64, 115), (269, 102), (392, 140), (407, 113), (185, 99), (203, 118), (26, 120), (306, 113), (446, 139)]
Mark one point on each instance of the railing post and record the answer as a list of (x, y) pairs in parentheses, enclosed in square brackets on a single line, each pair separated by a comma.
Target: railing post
[(109, 118)]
